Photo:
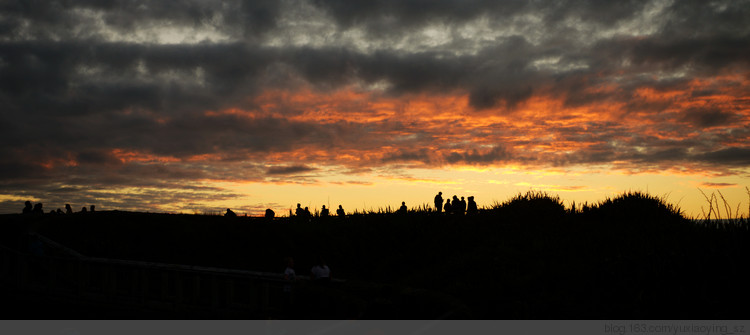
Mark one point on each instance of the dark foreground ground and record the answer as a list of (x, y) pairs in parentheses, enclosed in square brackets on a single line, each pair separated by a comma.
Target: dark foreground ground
[(633, 257)]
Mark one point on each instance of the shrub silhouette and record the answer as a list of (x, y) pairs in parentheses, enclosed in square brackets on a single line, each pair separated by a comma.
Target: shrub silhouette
[(533, 205), (637, 207)]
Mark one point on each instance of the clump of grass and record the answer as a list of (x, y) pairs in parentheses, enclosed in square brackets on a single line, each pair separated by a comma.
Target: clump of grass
[(532, 204), (714, 215), (637, 207)]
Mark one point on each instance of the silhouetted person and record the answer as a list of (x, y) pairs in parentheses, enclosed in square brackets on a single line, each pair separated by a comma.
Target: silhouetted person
[(38, 209), (27, 208), (447, 206), (299, 211), (52, 211), (462, 208), (83, 209), (320, 273), (324, 212), (230, 214), (307, 214), (270, 213), (471, 209), (290, 277), (340, 212), (93, 208), (59, 211), (455, 204), (439, 202), (68, 209), (402, 209)]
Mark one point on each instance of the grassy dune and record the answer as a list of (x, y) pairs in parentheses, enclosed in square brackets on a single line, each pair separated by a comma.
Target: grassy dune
[(630, 257)]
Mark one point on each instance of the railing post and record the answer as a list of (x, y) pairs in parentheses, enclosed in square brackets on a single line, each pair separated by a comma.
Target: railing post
[(197, 289), (264, 296), (179, 294), (230, 292), (143, 275), (51, 275), (214, 292), (22, 274), (164, 285), (112, 284)]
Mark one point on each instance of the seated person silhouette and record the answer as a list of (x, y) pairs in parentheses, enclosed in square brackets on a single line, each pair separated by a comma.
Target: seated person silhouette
[(27, 208), (299, 211), (270, 213), (447, 208), (38, 209), (92, 208), (402, 209), (59, 211), (340, 212), (230, 214), (68, 209), (83, 209), (324, 212)]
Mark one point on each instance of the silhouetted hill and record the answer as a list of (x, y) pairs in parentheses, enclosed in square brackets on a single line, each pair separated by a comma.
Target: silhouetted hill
[(631, 257)]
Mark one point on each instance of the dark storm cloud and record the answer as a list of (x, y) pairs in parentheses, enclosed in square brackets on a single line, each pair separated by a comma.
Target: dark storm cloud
[(475, 156), (58, 18), (708, 117), (414, 13), (284, 170), (84, 79), (734, 156)]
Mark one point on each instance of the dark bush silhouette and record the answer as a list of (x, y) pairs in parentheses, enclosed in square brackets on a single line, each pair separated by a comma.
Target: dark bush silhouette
[(532, 206), (634, 208)]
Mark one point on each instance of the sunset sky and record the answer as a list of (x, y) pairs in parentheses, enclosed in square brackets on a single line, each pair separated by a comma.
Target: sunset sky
[(197, 106)]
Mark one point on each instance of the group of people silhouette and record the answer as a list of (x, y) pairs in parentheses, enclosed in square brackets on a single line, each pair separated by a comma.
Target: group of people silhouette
[(456, 206), (304, 213), (37, 209)]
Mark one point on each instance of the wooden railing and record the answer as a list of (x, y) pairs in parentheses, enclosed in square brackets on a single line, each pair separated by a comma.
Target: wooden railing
[(180, 289)]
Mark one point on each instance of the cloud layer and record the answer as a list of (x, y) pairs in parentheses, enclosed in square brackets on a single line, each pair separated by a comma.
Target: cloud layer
[(114, 95)]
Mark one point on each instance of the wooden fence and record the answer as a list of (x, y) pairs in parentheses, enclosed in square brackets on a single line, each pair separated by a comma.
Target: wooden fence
[(181, 290)]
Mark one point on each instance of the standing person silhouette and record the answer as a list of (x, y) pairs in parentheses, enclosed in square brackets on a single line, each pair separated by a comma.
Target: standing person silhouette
[(472, 206), (68, 209), (324, 212), (439, 202)]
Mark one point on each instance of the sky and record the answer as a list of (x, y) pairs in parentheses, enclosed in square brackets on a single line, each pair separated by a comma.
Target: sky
[(193, 106)]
